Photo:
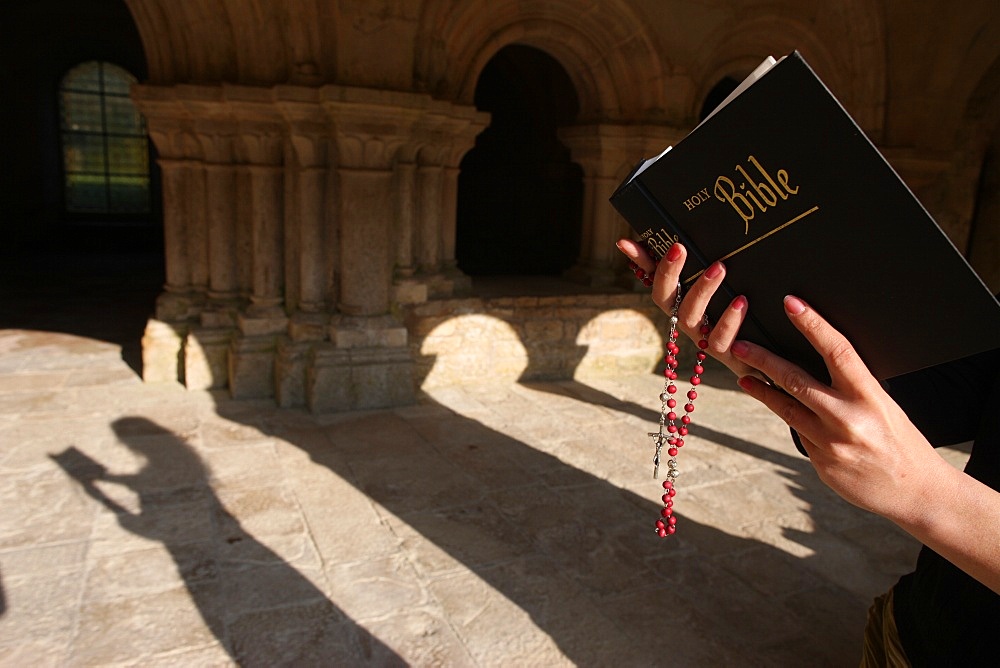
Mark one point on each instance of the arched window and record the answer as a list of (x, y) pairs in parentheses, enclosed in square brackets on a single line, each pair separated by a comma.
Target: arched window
[(105, 150)]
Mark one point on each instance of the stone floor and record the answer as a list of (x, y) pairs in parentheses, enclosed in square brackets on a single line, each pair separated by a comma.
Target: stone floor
[(505, 525)]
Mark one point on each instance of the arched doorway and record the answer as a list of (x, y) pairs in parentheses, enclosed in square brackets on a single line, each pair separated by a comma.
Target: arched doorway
[(519, 196)]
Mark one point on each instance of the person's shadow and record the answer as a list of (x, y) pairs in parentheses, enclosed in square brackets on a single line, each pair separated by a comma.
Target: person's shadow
[(261, 609)]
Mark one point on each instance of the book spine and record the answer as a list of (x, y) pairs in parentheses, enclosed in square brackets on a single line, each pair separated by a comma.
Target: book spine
[(672, 230), (651, 220)]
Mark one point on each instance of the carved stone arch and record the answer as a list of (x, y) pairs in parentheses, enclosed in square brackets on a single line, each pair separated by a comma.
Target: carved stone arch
[(614, 64), (211, 41), (856, 75), (260, 51), (184, 41)]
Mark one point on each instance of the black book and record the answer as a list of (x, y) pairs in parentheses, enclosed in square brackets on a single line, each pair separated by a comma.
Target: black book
[(783, 186)]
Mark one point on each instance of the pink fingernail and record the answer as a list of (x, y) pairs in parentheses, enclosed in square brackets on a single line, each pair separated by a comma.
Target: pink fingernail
[(714, 270), (746, 382), (739, 303), (740, 348), (794, 305), (673, 253)]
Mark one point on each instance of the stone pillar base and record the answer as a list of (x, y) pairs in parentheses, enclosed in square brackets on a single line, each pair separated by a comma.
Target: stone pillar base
[(162, 350), (366, 364), (359, 378), (206, 358), (409, 291), (290, 366), (251, 367)]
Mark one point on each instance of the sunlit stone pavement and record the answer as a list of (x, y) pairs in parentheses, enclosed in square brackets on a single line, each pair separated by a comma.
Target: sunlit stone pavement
[(505, 525)]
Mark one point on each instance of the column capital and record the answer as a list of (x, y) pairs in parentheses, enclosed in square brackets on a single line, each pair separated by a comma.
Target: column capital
[(612, 150)]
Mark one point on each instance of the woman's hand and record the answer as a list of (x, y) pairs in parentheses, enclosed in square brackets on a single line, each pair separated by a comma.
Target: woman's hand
[(691, 311), (865, 448), (860, 442)]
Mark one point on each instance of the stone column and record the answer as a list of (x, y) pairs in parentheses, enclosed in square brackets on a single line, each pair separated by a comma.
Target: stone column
[(308, 226), (260, 147), (446, 134), (607, 153), (367, 362), (170, 129)]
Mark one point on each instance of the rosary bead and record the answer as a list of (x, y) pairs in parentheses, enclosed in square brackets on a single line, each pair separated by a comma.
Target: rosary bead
[(678, 442), (704, 329), (703, 344), (667, 484), (692, 395), (671, 415), (660, 524), (695, 380), (672, 452), (685, 419), (672, 389), (671, 529), (701, 356), (689, 408), (671, 403), (683, 431), (671, 520), (699, 369)]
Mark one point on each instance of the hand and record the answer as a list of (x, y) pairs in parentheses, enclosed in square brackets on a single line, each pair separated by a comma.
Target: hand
[(864, 447), (691, 312), (860, 441)]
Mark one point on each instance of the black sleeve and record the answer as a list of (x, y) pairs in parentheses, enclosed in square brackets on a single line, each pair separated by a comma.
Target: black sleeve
[(946, 402)]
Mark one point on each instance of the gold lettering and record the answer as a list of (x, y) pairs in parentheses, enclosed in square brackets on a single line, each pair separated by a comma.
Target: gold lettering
[(763, 191), (699, 197), (783, 180), (660, 242), (725, 191), (767, 176)]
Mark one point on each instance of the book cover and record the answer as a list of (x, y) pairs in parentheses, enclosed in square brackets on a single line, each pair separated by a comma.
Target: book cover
[(783, 186)]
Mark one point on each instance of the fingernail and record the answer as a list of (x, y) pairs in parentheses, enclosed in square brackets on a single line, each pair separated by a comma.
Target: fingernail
[(739, 303), (746, 382), (740, 348), (673, 253), (794, 305), (714, 270)]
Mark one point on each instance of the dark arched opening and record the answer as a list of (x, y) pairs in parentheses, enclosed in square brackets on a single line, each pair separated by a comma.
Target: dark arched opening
[(519, 197), (73, 264)]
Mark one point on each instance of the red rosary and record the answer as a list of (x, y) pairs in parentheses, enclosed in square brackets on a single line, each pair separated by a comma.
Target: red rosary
[(673, 428)]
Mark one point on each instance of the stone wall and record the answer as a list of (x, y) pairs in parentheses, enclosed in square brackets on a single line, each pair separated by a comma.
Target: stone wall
[(469, 341)]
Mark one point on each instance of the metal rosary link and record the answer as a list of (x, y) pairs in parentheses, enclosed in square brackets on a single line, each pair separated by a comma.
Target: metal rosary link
[(659, 437)]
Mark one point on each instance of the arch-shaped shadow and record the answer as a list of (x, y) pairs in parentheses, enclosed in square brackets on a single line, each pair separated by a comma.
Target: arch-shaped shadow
[(261, 609)]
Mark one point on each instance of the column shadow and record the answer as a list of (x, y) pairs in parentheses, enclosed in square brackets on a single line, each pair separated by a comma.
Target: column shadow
[(262, 610), (573, 551)]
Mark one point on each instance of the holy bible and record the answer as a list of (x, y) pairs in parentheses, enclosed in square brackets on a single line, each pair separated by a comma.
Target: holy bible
[(783, 187)]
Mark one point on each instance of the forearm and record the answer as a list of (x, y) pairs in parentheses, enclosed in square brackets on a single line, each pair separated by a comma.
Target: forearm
[(963, 527)]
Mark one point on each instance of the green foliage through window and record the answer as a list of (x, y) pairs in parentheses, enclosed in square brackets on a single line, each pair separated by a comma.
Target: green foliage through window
[(104, 143)]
